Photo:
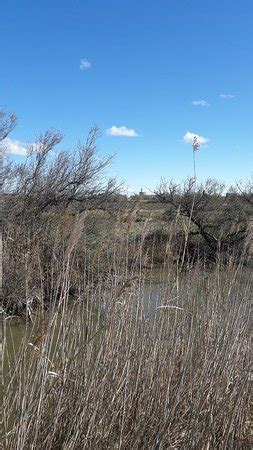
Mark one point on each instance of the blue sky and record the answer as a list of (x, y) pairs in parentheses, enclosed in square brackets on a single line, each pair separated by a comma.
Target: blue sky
[(144, 64)]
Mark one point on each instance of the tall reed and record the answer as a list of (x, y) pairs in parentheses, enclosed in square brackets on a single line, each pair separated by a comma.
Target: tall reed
[(143, 359)]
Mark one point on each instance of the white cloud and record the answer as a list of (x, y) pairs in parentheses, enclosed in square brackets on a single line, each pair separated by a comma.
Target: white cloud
[(226, 96), (189, 137), (121, 131), (15, 147), (200, 103), (85, 64), (130, 190)]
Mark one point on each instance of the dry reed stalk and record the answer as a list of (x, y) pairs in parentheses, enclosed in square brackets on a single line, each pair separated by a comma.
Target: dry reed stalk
[(175, 378)]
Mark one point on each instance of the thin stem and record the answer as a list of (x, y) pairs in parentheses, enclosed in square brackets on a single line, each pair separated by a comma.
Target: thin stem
[(194, 165)]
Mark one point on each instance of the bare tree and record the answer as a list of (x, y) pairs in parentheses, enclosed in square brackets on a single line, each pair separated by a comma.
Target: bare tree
[(50, 178), (7, 124), (43, 192), (220, 217), (245, 190)]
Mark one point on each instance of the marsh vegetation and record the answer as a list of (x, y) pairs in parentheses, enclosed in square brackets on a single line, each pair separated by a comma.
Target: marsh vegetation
[(126, 320)]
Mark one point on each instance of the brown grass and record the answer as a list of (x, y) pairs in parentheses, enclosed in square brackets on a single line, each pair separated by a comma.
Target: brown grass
[(111, 369)]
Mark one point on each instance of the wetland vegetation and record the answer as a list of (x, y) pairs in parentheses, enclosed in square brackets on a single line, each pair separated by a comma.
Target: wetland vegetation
[(125, 320)]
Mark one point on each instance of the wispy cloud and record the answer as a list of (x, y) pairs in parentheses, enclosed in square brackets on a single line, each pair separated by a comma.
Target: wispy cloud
[(15, 147), (128, 190), (200, 103), (189, 137), (85, 64), (226, 96), (121, 131)]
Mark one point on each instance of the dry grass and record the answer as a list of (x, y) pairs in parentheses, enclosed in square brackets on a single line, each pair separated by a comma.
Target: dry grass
[(133, 364)]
